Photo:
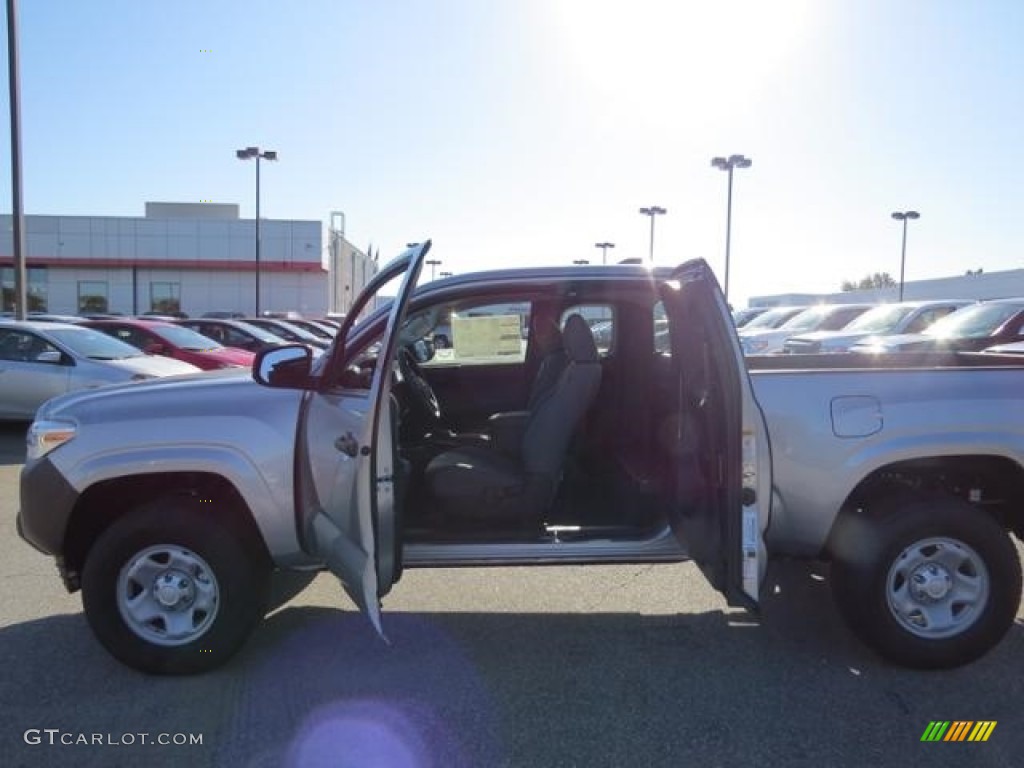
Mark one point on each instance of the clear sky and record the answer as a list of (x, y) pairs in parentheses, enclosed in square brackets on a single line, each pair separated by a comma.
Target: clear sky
[(524, 131)]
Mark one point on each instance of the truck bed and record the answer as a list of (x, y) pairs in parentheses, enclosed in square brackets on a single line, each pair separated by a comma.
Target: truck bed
[(893, 360)]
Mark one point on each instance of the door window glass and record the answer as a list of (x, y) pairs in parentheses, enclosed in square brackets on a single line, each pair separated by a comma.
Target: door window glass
[(928, 317), (20, 346), (481, 334)]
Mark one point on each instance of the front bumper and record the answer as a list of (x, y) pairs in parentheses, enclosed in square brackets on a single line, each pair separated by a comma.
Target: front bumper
[(46, 504)]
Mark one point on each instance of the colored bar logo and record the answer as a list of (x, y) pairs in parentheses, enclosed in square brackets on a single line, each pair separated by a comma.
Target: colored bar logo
[(958, 730)]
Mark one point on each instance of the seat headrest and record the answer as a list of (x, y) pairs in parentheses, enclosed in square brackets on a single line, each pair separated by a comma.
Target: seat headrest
[(578, 340)]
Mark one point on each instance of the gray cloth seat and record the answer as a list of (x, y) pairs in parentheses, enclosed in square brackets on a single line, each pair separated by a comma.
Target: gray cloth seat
[(553, 361), (485, 483)]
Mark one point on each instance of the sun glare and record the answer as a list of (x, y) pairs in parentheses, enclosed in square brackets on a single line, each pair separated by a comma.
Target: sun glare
[(649, 49)]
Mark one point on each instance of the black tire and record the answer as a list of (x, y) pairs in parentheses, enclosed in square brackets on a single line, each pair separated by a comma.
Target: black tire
[(910, 542), (209, 552)]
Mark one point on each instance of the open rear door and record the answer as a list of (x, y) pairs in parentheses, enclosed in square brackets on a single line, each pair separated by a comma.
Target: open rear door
[(347, 467), (722, 485)]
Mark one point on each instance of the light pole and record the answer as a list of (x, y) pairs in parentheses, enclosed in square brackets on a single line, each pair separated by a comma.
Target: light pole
[(445, 274), (254, 153), (723, 164), (433, 264), (653, 211), (604, 249), (904, 216), (18, 214), (581, 261)]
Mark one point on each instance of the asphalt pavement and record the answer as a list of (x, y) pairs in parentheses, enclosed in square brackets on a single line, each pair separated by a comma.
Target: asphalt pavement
[(559, 666)]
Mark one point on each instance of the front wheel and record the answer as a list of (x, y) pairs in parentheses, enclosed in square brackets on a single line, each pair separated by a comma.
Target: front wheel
[(169, 589), (927, 583)]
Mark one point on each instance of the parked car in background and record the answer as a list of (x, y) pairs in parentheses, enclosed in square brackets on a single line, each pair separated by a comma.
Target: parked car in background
[(43, 317), (773, 318), (157, 315), (1014, 348), (908, 317), (970, 328), (224, 314), (325, 332), (156, 337), (822, 317), (741, 317), (286, 330), (40, 360), (233, 333)]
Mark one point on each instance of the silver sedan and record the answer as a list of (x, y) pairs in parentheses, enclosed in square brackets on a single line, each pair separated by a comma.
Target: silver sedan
[(40, 360)]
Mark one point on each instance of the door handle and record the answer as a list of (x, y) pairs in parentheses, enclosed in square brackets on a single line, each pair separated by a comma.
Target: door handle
[(347, 444)]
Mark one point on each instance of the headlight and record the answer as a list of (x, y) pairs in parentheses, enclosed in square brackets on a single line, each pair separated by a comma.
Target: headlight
[(44, 436)]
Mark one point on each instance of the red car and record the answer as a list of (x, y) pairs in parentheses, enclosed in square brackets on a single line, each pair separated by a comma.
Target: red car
[(156, 337)]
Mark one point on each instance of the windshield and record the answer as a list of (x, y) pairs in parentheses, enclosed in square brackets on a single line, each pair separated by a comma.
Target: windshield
[(288, 331), (885, 319), (808, 320), (974, 322), (773, 318), (256, 332), (185, 338), (93, 344)]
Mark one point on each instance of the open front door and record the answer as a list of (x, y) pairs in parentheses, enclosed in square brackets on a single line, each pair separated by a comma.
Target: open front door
[(722, 485), (347, 469)]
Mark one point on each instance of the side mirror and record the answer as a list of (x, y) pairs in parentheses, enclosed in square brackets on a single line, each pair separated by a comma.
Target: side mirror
[(51, 356), (284, 367)]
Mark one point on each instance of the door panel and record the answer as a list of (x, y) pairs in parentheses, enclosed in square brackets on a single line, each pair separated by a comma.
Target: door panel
[(723, 471), (24, 386), (347, 461), (25, 382)]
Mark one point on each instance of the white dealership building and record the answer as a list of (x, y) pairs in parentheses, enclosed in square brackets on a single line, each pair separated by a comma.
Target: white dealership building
[(179, 257), (977, 285)]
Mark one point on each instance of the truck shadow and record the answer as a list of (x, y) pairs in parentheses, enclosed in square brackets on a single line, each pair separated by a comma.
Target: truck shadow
[(317, 686)]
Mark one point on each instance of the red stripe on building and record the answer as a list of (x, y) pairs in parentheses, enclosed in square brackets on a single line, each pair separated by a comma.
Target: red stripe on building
[(207, 265)]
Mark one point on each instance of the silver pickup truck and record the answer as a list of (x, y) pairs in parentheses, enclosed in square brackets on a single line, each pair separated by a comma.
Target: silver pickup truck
[(169, 504)]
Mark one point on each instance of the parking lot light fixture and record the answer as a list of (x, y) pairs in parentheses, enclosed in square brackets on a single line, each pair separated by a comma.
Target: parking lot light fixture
[(255, 153), (604, 250), (433, 264), (653, 211), (904, 216), (728, 164)]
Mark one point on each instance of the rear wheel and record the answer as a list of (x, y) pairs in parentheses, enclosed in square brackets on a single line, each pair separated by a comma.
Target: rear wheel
[(926, 582), (168, 589)]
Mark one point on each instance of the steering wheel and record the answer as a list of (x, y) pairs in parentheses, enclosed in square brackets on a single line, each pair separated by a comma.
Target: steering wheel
[(423, 396)]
